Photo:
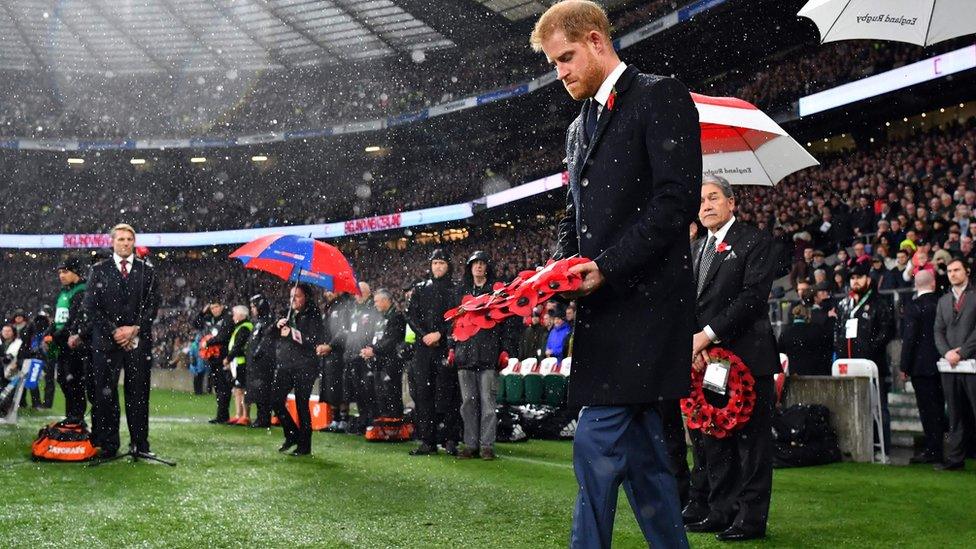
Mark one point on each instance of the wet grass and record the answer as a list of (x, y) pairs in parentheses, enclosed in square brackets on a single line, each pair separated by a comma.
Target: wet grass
[(233, 489)]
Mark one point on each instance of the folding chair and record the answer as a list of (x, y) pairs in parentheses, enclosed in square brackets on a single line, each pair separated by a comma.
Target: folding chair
[(514, 384), (534, 386), (859, 367), (556, 381), (500, 396), (11, 417)]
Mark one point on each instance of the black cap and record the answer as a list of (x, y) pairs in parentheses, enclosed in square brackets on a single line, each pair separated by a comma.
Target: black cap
[(559, 311), (72, 263), (439, 254), (479, 255), (822, 287)]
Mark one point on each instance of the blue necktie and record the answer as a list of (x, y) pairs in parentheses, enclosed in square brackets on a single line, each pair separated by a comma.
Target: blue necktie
[(592, 115)]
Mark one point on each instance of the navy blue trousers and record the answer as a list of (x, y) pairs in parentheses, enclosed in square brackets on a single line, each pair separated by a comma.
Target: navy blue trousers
[(617, 445)]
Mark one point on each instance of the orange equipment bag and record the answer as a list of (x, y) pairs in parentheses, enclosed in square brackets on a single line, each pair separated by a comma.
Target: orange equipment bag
[(65, 440), (389, 429)]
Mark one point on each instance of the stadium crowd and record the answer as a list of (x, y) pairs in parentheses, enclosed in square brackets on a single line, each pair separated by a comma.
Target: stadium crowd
[(237, 102)]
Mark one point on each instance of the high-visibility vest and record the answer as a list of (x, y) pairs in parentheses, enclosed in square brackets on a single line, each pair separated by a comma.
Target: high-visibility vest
[(240, 360)]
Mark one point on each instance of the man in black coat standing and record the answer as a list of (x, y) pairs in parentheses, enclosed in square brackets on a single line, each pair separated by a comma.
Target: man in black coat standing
[(634, 161), (732, 479), (381, 357), (919, 357), (121, 301), (214, 320), (433, 385)]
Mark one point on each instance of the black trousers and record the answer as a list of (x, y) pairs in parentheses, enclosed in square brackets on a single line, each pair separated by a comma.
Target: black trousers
[(71, 369), (960, 395), (331, 386), (360, 388), (222, 385), (299, 378), (103, 391), (674, 440), (931, 412), (388, 386), (200, 383), (260, 380), (436, 396), (733, 476)]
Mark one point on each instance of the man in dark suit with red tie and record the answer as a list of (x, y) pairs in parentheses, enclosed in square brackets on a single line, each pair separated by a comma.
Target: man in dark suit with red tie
[(634, 161), (121, 301), (732, 478)]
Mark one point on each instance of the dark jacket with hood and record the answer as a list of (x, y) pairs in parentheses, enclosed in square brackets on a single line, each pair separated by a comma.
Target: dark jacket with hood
[(261, 346), (482, 350)]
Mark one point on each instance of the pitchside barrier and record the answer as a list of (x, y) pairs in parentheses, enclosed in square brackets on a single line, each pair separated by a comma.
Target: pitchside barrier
[(859, 367)]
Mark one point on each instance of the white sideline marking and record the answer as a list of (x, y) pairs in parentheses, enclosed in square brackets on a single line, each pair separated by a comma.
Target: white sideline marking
[(536, 461)]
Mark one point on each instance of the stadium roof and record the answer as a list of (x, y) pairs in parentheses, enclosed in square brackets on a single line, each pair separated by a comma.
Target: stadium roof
[(517, 10), (132, 36)]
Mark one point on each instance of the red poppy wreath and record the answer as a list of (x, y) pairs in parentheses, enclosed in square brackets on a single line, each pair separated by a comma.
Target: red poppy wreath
[(713, 420)]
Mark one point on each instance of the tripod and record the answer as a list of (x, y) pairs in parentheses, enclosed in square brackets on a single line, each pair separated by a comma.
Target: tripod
[(136, 456)]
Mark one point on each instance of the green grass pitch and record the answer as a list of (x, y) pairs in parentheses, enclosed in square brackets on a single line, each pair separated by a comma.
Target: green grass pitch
[(232, 489)]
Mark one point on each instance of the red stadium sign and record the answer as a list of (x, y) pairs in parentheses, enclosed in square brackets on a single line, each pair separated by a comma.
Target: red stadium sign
[(370, 224), (87, 241)]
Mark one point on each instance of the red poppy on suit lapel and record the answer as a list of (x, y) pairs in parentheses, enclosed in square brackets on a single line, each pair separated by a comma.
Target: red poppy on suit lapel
[(722, 247), (611, 99)]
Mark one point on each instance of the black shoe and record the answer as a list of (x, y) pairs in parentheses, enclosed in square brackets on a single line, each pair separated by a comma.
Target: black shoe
[(260, 425), (451, 448), (693, 513), (924, 458), (467, 453), (288, 445), (739, 533), (424, 450), (106, 453), (299, 452), (949, 466), (217, 421), (710, 524)]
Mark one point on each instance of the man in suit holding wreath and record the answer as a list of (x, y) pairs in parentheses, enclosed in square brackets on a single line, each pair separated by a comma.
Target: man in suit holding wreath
[(634, 160), (732, 479), (121, 301)]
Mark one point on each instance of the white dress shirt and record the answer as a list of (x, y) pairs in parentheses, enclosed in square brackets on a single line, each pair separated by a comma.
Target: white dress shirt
[(719, 238), (603, 94), (118, 262)]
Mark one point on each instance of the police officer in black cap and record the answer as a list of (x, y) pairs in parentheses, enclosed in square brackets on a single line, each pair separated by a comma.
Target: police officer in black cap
[(67, 350), (433, 385), (261, 361), (215, 321)]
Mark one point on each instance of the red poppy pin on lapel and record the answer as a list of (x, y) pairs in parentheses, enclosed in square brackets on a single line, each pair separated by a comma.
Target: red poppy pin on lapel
[(612, 99)]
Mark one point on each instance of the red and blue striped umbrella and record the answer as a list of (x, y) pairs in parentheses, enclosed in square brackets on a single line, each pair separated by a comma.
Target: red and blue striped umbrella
[(299, 259)]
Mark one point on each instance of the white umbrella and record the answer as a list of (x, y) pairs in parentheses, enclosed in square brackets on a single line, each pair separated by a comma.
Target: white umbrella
[(744, 145), (921, 22)]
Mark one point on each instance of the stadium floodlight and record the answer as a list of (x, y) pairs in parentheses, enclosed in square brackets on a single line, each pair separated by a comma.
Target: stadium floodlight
[(76, 161), (373, 148), (137, 161), (259, 158), (198, 160)]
